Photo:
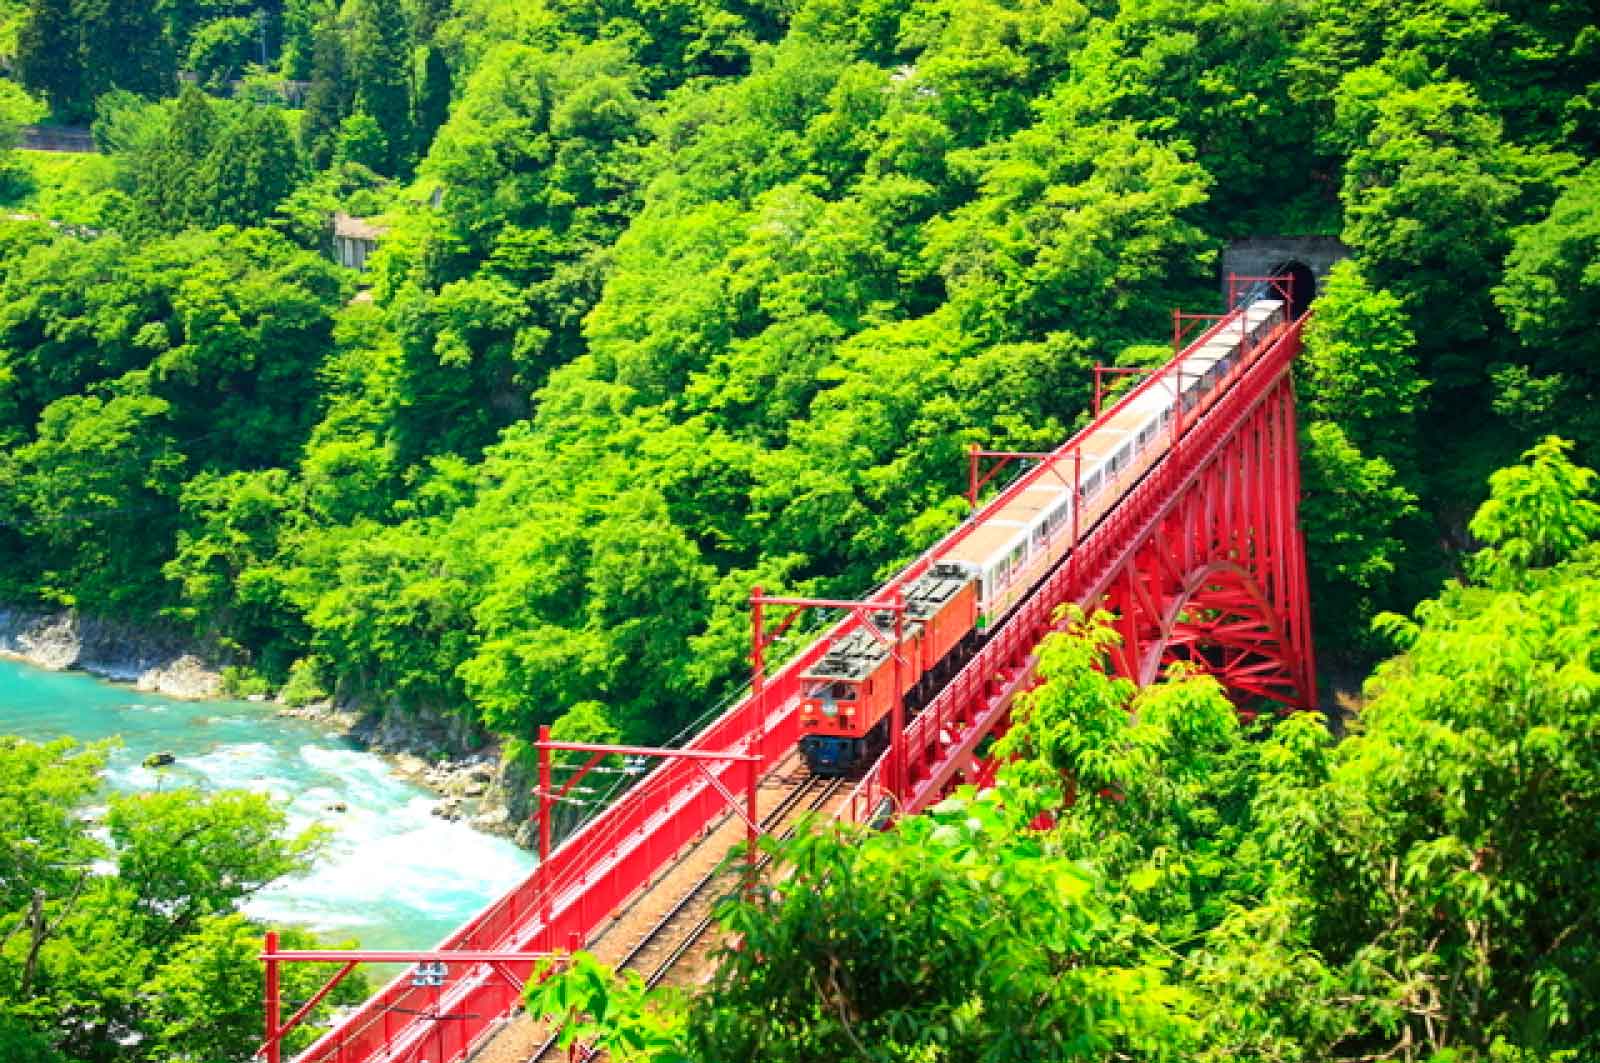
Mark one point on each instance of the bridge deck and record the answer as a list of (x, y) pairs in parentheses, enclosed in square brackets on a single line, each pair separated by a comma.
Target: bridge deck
[(645, 838), (663, 932)]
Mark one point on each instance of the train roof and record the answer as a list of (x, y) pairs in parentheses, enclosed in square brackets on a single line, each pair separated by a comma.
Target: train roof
[(1264, 307), (984, 541), (1155, 398), (1007, 525), (858, 652), (928, 593), (1132, 416), (855, 656), (1103, 443)]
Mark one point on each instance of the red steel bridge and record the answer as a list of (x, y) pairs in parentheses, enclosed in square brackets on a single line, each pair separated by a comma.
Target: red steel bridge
[(1198, 555)]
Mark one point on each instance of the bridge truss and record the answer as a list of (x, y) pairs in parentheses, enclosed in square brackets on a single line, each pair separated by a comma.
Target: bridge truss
[(1201, 559)]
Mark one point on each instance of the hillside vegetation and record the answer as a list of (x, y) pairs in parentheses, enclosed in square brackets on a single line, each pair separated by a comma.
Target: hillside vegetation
[(682, 296), (120, 934), (715, 293)]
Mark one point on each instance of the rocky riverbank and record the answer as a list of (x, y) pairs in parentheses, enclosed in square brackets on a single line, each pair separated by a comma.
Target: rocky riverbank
[(438, 753), (468, 776), (150, 659)]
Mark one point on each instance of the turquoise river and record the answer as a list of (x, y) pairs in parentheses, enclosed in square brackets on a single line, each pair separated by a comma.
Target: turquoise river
[(394, 877)]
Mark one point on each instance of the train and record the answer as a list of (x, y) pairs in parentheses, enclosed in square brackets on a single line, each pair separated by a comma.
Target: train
[(975, 580)]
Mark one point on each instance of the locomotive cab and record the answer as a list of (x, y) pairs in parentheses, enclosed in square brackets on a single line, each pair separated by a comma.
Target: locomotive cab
[(831, 718), (829, 703)]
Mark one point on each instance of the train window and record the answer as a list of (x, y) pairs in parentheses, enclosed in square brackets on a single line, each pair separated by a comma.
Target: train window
[(830, 689)]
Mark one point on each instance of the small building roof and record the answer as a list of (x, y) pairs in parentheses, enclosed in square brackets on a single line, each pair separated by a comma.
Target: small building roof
[(356, 228)]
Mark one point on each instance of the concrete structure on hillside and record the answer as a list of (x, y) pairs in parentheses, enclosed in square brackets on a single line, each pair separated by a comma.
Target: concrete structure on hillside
[(75, 140), (354, 239)]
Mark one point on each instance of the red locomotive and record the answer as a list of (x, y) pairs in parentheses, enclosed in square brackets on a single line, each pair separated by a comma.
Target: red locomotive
[(847, 694)]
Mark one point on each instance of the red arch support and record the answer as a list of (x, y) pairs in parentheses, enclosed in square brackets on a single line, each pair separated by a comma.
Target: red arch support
[(1219, 580)]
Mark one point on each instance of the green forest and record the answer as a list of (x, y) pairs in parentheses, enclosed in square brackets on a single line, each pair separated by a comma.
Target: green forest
[(120, 939), (676, 297), (685, 297)]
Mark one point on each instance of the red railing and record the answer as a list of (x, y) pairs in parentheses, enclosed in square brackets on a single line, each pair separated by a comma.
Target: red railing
[(596, 870)]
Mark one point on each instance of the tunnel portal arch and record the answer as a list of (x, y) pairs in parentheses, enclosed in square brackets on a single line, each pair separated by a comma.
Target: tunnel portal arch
[(1306, 258)]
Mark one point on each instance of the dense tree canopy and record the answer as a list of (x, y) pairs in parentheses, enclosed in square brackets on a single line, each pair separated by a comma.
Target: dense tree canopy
[(710, 291), (678, 297)]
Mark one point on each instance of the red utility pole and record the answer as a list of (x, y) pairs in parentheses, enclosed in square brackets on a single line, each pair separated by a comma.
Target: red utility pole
[(544, 835), (897, 707), (274, 1006), (758, 663), (975, 458), (1077, 491)]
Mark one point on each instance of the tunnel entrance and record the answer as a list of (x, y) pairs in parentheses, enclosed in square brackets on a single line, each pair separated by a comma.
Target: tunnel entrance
[(1305, 258), (1303, 284)]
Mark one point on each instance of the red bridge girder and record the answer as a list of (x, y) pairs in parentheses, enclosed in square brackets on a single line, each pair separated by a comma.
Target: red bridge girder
[(1220, 580), (1202, 559)]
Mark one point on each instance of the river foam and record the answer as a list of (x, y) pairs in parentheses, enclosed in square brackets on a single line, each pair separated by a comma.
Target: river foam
[(393, 875)]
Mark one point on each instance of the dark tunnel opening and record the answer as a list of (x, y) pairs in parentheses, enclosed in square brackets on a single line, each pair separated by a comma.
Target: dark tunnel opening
[(1302, 285)]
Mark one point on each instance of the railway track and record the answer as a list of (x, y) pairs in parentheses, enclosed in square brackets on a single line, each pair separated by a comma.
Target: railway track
[(679, 942), (694, 912)]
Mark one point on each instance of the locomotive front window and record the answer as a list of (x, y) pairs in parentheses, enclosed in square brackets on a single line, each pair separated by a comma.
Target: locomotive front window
[(830, 689)]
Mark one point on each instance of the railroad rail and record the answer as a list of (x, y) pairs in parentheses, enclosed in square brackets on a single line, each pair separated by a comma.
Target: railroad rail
[(816, 794), (678, 903), (686, 926)]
